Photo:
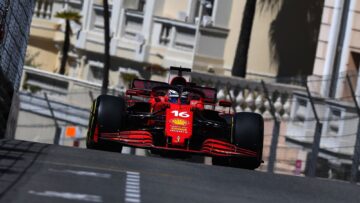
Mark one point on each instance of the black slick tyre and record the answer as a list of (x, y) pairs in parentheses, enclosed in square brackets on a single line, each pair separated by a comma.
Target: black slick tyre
[(248, 133), (107, 115)]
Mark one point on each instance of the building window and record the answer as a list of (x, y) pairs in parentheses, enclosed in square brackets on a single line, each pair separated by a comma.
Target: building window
[(141, 5), (95, 74), (207, 13), (335, 117), (184, 39), (209, 8), (165, 35), (97, 21)]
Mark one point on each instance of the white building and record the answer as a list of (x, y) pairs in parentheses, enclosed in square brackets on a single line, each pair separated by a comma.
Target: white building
[(161, 32)]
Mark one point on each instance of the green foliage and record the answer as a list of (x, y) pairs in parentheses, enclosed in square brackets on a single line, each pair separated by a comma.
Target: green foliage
[(69, 15), (32, 88), (128, 77)]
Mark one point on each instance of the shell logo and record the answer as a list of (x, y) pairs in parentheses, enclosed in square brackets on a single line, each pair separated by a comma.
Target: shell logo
[(178, 121)]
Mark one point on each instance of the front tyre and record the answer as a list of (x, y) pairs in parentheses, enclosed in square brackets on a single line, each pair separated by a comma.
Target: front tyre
[(107, 115), (248, 133)]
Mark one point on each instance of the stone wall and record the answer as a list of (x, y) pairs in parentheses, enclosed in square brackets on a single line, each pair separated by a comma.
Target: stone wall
[(15, 19)]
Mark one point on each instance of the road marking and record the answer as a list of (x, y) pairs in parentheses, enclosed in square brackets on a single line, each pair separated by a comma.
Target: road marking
[(82, 173), (132, 190), (132, 179), (132, 176), (140, 152), (132, 187), (133, 183), (136, 200), (208, 160), (132, 195), (68, 195), (113, 169), (132, 173), (126, 150)]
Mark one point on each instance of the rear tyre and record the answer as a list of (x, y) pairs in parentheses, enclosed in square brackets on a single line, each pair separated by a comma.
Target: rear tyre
[(107, 115), (248, 133)]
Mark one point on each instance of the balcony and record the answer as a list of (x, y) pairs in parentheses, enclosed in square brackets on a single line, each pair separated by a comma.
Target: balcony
[(43, 9)]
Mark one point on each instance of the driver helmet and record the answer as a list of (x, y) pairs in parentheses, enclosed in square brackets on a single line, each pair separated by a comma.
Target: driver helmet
[(173, 96), (184, 97)]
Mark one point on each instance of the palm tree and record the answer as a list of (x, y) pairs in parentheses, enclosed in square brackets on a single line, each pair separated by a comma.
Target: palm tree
[(107, 39), (239, 66), (293, 38), (68, 16), (241, 56)]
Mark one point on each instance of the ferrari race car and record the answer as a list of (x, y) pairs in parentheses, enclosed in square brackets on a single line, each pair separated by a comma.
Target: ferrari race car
[(178, 119)]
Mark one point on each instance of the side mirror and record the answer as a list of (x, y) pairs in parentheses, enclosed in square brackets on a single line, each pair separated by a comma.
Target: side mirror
[(131, 92), (225, 103)]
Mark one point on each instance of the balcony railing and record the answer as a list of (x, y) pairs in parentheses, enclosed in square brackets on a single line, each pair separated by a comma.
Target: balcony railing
[(43, 9), (248, 95), (166, 32)]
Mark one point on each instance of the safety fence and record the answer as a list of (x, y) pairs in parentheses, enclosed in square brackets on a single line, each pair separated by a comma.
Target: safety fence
[(306, 133)]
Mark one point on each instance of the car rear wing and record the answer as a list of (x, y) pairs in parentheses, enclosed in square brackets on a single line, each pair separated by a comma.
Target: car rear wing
[(144, 87)]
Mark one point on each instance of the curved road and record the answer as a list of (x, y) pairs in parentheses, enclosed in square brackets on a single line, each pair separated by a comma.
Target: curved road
[(33, 172)]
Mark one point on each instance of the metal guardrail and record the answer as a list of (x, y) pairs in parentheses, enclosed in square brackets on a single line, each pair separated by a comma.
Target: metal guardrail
[(63, 88), (62, 111)]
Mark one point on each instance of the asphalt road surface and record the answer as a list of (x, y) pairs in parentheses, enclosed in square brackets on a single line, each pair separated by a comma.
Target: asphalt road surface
[(32, 172)]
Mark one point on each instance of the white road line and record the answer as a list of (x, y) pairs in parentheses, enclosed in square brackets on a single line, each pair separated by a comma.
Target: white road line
[(82, 173), (68, 196), (208, 160), (132, 187), (136, 200), (132, 173), (132, 190), (132, 195), (126, 150), (140, 152), (133, 183), (135, 180), (132, 176)]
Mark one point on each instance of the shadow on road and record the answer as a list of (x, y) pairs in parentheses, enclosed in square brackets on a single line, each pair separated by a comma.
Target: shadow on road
[(16, 157)]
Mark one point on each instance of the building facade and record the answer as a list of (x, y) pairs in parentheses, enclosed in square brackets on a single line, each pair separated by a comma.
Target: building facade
[(151, 32), (338, 47), (336, 70)]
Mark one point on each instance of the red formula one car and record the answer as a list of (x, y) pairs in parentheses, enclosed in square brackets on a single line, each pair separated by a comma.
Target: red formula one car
[(177, 119)]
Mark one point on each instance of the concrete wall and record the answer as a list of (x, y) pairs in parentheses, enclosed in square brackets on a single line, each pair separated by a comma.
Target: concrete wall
[(260, 61), (32, 127), (44, 53), (236, 11), (221, 14), (171, 8), (15, 26)]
